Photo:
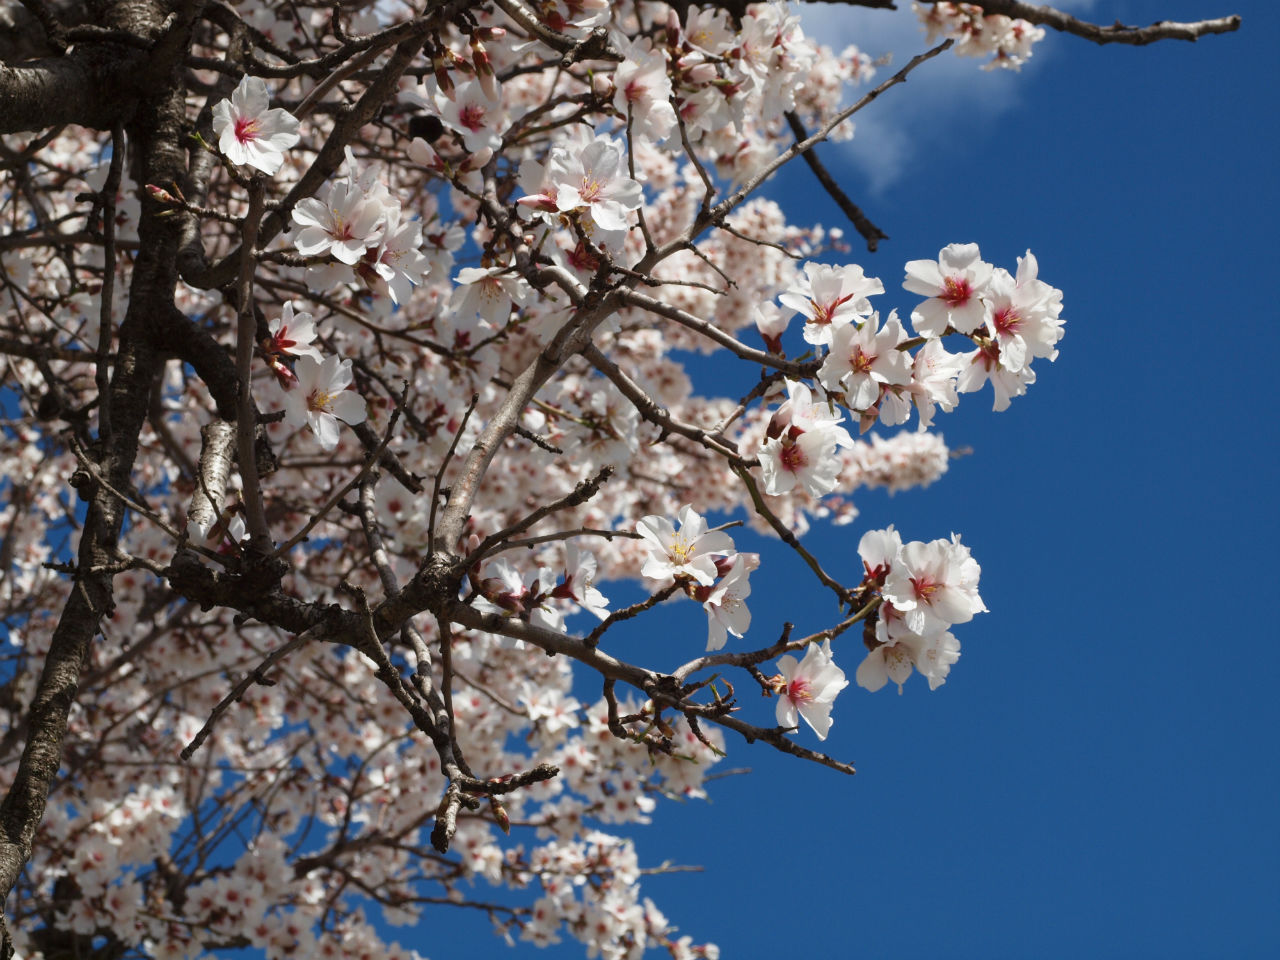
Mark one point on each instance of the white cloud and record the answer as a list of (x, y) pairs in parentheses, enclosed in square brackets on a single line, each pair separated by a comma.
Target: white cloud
[(947, 104)]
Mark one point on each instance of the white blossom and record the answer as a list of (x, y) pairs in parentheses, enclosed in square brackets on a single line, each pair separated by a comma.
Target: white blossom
[(321, 398), (686, 552), (248, 132), (809, 688)]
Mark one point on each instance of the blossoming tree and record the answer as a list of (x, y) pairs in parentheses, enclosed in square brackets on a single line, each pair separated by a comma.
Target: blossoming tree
[(349, 350)]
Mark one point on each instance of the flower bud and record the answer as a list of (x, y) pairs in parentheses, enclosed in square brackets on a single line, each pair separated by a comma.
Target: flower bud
[(500, 815), (160, 194)]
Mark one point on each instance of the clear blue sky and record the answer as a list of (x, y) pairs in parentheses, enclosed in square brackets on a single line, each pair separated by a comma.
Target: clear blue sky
[(1099, 776)]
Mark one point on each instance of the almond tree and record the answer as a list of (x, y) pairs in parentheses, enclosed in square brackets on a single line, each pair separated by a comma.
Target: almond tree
[(355, 328)]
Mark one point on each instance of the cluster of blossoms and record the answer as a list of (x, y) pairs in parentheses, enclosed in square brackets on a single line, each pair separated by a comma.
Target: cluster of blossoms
[(494, 394), (868, 367), (360, 224), (925, 589), (532, 597), (1007, 40), (705, 563)]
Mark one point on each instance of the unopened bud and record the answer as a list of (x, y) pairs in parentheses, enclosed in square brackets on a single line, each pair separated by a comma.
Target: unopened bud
[(484, 70), (500, 815), (160, 194), (443, 80)]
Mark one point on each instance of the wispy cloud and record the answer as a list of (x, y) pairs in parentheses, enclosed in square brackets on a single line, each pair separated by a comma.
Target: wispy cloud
[(950, 104)]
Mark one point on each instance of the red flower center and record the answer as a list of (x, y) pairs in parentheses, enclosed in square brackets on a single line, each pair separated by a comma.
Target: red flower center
[(957, 292), (248, 128), (472, 117), (1006, 320), (793, 457)]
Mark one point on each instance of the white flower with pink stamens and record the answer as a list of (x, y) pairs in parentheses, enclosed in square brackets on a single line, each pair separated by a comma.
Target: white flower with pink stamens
[(933, 585), (808, 688), (248, 132), (684, 553), (830, 297), (955, 284), (321, 399)]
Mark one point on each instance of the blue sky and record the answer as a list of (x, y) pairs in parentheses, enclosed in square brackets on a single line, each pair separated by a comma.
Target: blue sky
[(1099, 776)]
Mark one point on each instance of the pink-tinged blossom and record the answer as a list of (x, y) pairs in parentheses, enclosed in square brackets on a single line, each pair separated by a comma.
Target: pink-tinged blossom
[(901, 461), (502, 590), (830, 297), (595, 178), (861, 359), (936, 656), (933, 656), (987, 364), (642, 91), (889, 661), (505, 591), (550, 709), (293, 334), (1024, 317), (488, 293), (321, 399), (955, 284), (687, 552), (579, 582), (576, 16), (447, 162), (725, 603), (397, 262), (772, 321), (807, 460), (808, 688), (800, 445), (472, 114), (344, 225), (978, 33), (934, 585), (933, 384), (542, 184), (251, 134), (801, 411), (879, 550), (933, 380)]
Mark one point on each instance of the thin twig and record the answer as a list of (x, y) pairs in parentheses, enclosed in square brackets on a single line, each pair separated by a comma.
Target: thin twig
[(256, 675), (626, 613), (444, 465), (788, 535), (580, 494), (870, 232)]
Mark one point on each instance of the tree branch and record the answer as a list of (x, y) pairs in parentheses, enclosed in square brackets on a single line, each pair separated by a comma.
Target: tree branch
[(1118, 32)]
